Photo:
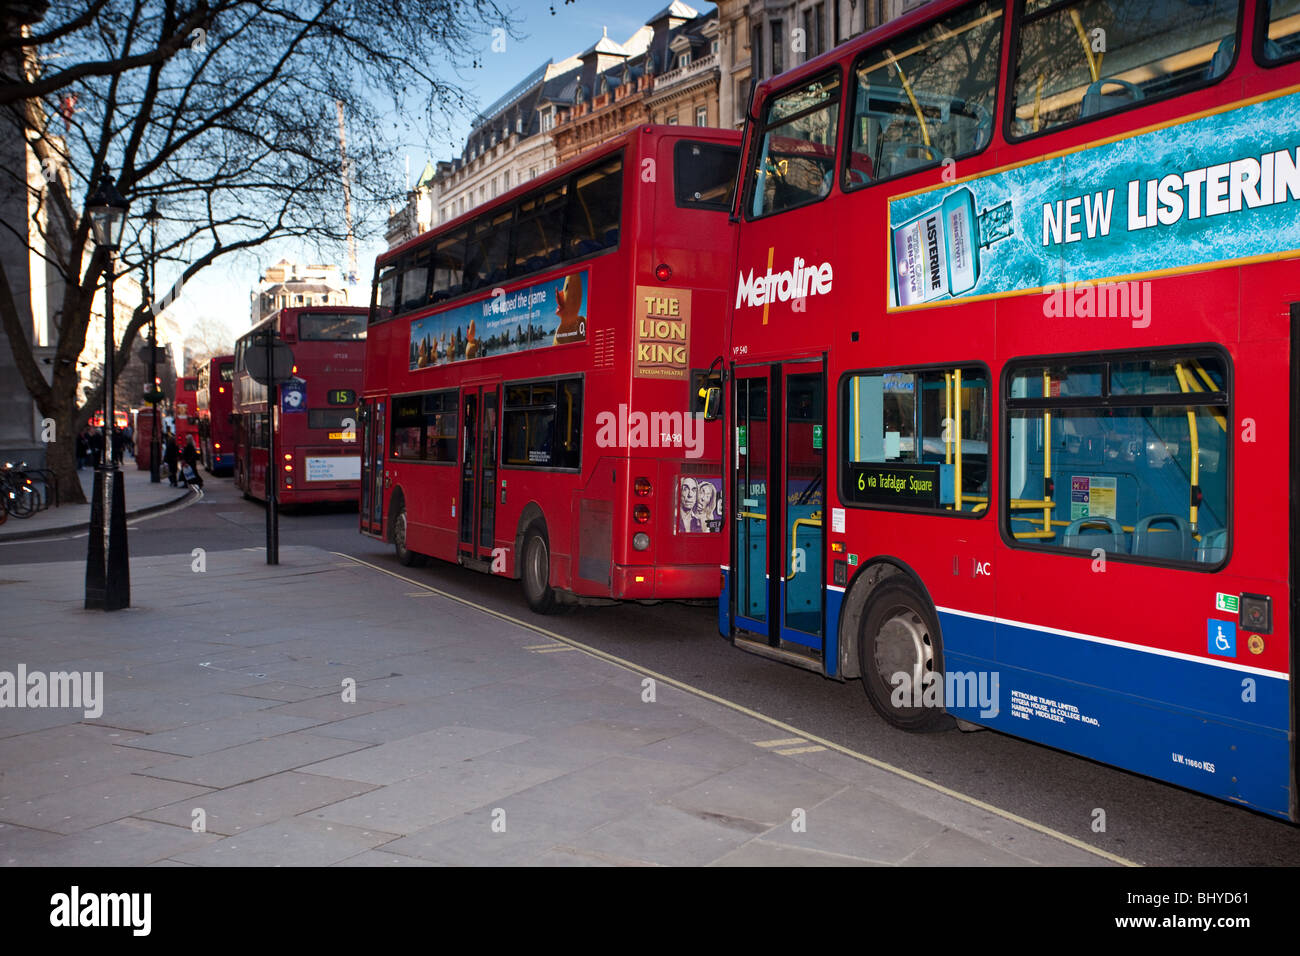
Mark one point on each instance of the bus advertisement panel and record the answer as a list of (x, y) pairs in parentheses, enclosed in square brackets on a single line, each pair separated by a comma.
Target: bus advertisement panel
[(1016, 446), (532, 378)]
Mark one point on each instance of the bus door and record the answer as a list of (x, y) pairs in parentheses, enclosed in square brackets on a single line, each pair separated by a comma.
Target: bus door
[(779, 487), (478, 464), (372, 467)]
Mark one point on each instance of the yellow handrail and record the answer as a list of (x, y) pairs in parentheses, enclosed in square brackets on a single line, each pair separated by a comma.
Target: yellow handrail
[(1094, 63), (956, 387), (813, 521), (907, 88)]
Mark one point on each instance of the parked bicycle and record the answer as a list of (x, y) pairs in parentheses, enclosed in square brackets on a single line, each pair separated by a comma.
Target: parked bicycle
[(19, 495)]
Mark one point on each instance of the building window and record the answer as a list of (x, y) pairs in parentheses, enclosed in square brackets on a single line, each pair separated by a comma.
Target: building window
[(777, 29), (701, 116), (684, 60), (505, 180), (756, 51), (713, 47), (672, 120)]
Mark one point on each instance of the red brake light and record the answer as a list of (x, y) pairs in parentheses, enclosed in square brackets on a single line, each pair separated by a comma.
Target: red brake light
[(641, 514), (663, 272), (642, 487)]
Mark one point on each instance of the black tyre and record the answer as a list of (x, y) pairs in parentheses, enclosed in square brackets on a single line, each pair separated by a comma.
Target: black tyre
[(536, 572), (405, 556), (900, 636)]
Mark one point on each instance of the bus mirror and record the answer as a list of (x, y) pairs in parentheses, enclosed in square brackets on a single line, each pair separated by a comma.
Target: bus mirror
[(712, 403)]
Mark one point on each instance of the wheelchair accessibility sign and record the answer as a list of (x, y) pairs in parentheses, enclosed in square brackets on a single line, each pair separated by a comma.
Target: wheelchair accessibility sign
[(1221, 637)]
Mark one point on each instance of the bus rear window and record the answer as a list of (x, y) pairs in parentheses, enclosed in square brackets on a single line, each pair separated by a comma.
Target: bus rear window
[(331, 327), (227, 371), (1083, 59), (335, 418), (704, 175), (1282, 31)]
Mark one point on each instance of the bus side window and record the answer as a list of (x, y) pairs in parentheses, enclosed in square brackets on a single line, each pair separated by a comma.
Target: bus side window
[(1147, 479), (591, 222), (1088, 58)]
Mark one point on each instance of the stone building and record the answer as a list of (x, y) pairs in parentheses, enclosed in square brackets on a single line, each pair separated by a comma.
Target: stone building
[(288, 284)]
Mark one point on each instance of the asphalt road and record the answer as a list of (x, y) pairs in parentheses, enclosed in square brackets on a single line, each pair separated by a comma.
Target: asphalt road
[(1146, 821)]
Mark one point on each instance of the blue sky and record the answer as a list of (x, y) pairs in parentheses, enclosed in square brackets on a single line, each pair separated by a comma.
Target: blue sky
[(222, 290)]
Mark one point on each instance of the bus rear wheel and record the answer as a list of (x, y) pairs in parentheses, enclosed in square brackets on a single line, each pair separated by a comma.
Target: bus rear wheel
[(900, 655), (405, 556), (536, 572)]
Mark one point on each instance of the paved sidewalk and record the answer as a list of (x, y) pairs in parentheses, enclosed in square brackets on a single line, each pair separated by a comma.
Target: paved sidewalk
[(471, 740), (142, 497)]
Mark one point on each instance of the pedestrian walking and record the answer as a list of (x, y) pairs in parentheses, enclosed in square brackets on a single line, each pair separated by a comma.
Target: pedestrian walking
[(171, 457), (190, 463)]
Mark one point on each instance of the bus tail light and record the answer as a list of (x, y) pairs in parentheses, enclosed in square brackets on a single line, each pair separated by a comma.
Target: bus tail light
[(641, 541), (641, 514), (663, 272), (642, 487)]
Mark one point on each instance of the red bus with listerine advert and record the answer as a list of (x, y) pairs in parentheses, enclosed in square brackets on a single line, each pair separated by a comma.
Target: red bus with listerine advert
[(533, 370), (216, 414), (1013, 377), (317, 457)]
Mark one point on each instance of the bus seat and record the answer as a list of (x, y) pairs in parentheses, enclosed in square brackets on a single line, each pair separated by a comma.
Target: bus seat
[(1110, 539), (1213, 547), (611, 238), (536, 264), (860, 169), (588, 245), (1095, 102), (1221, 62), (1176, 543)]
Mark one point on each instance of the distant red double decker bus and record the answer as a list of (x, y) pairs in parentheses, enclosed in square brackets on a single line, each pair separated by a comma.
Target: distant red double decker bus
[(531, 395), (316, 452), (216, 410), (185, 410)]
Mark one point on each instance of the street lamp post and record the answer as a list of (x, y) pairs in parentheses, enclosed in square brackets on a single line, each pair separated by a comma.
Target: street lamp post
[(155, 436), (108, 573)]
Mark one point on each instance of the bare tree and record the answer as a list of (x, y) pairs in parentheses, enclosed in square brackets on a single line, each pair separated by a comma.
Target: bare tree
[(209, 337), (233, 134)]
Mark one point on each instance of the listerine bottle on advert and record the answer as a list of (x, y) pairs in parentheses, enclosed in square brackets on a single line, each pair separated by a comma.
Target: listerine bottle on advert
[(936, 255)]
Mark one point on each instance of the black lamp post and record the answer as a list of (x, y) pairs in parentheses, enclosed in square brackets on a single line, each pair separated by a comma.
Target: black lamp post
[(108, 573), (155, 433)]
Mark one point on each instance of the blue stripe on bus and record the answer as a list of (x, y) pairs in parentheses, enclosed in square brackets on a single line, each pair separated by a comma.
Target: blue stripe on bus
[(1177, 720)]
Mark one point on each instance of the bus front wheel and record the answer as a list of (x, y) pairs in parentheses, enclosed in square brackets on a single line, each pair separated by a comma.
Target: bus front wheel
[(901, 659), (537, 572)]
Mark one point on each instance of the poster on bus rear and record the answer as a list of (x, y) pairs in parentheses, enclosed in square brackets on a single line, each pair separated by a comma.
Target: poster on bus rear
[(661, 346), (537, 316), (1217, 189)]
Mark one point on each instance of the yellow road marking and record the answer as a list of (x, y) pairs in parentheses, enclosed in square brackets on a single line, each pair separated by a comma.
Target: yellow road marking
[(770, 721), (784, 742), (800, 750)]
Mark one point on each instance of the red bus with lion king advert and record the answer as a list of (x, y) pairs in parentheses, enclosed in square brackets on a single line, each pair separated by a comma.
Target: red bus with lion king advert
[(531, 404)]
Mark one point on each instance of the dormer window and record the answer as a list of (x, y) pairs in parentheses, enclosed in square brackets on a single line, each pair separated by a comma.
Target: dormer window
[(684, 60)]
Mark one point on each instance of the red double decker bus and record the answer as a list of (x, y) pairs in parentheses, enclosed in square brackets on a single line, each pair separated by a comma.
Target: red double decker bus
[(215, 399), (185, 410), (532, 372), (1013, 375), (316, 451)]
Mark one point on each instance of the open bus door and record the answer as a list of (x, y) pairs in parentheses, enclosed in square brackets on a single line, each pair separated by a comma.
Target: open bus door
[(779, 486)]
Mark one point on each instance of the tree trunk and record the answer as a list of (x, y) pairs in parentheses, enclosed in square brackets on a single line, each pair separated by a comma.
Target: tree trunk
[(61, 454)]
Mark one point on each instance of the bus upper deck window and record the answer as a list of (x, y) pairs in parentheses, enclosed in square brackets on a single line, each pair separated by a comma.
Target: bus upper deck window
[(1087, 58), (925, 97), (1281, 31), (796, 156)]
